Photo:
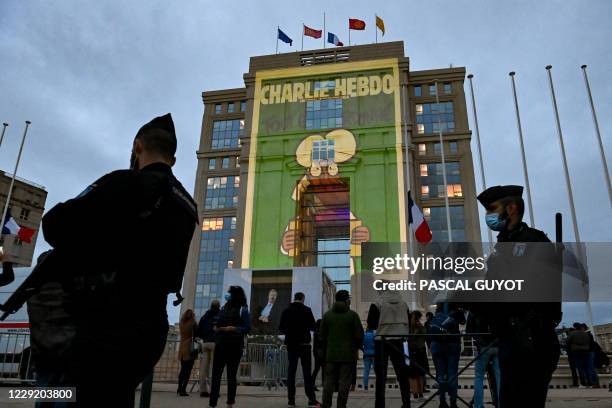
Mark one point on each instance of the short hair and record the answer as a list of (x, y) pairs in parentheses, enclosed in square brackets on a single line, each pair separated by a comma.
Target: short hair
[(342, 296), (299, 296), (518, 201), (158, 141)]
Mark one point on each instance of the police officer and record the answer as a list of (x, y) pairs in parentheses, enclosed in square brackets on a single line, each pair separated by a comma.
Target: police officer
[(528, 345), (123, 245)]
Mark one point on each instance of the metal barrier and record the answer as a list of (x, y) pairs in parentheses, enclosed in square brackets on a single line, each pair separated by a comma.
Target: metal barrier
[(15, 358)]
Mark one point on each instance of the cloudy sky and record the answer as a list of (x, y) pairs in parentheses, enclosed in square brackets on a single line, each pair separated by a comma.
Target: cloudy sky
[(88, 74)]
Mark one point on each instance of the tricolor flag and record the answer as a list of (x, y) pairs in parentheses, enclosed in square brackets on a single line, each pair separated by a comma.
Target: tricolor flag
[(417, 222), (380, 24), (333, 39), (11, 227), (284, 37), (356, 24), (311, 32)]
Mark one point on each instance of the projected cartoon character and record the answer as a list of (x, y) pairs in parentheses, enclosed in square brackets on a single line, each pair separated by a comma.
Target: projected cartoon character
[(320, 156)]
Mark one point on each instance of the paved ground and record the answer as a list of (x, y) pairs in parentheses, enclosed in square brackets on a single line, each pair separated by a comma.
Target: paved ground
[(164, 395)]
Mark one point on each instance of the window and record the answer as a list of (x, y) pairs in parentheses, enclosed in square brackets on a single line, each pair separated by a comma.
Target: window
[(437, 150), (417, 90), (24, 214), (323, 150), (237, 162), (453, 147), (432, 89), (448, 89), (226, 133), (216, 254), (218, 108), (243, 106), (225, 163), (222, 192), (436, 219), (432, 178), (427, 115), (212, 164), (230, 107), (324, 113), (422, 149)]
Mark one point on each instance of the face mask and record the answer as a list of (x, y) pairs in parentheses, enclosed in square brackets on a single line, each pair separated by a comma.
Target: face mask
[(228, 297), (495, 222)]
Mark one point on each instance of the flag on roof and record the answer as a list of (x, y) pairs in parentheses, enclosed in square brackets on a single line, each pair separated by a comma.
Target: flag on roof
[(417, 222), (380, 24), (356, 24), (311, 32), (284, 37), (333, 39)]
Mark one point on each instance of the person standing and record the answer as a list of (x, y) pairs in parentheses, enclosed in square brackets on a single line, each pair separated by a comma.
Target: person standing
[(232, 326), (591, 367), (120, 245), (579, 343), (526, 331), (390, 317), (341, 337), (487, 353), (418, 355), (206, 333), (296, 323), (368, 355), (187, 351)]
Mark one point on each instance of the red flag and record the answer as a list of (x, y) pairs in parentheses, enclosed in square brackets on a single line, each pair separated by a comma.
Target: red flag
[(311, 32), (25, 234), (355, 24)]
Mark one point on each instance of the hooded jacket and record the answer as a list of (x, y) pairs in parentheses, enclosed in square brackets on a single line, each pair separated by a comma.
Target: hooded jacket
[(341, 334)]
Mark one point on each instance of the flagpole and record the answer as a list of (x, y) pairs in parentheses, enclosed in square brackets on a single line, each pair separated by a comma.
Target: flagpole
[(482, 173), (4, 126), (303, 36), (446, 204), (10, 191), (376, 28), (277, 31), (324, 33), (596, 123), (522, 145)]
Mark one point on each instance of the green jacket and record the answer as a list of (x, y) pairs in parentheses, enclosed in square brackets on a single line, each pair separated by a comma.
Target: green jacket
[(341, 334)]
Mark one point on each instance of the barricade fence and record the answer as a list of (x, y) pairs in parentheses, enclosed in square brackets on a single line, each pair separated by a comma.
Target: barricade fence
[(15, 358)]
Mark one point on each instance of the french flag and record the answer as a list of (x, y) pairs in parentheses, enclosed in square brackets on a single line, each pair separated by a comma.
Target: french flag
[(11, 227), (333, 39), (417, 222)]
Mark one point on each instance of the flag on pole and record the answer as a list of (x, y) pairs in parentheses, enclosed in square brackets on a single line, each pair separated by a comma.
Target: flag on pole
[(11, 227), (356, 24), (380, 24), (311, 32), (417, 222), (284, 37), (333, 39)]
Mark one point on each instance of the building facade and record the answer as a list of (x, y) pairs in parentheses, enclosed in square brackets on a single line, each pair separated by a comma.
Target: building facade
[(315, 155), (27, 207)]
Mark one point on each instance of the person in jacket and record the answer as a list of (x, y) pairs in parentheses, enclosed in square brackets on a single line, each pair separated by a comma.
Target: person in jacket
[(206, 333), (187, 352), (579, 343), (368, 355), (446, 351), (418, 355), (487, 353), (341, 336), (390, 317), (232, 326), (296, 323), (591, 366), (317, 354)]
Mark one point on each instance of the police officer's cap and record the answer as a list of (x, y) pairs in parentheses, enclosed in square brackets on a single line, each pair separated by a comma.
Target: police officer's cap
[(164, 122), (492, 194)]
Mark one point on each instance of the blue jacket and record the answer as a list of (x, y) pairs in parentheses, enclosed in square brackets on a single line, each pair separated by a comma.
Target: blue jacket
[(368, 343)]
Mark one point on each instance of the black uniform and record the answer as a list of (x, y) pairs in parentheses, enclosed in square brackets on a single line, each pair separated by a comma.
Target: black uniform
[(123, 246), (528, 345)]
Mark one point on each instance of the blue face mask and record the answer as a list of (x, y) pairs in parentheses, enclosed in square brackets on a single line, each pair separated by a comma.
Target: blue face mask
[(494, 222), (227, 297)]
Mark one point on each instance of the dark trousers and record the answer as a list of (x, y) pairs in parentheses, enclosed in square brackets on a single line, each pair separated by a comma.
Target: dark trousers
[(227, 354), (301, 353), (446, 359), (394, 350), (526, 368), (319, 364), (572, 364), (184, 374), (340, 374)]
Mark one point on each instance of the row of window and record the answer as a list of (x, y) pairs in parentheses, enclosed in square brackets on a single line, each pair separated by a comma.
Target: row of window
[(432, 180), (227, 133), (230, 107), (447, 89), (433, 149), (213, 164), (436, 219), (222, 192), (433, 117)]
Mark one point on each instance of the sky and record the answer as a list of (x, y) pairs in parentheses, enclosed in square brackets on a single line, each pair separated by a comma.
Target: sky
[(88, 74)]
